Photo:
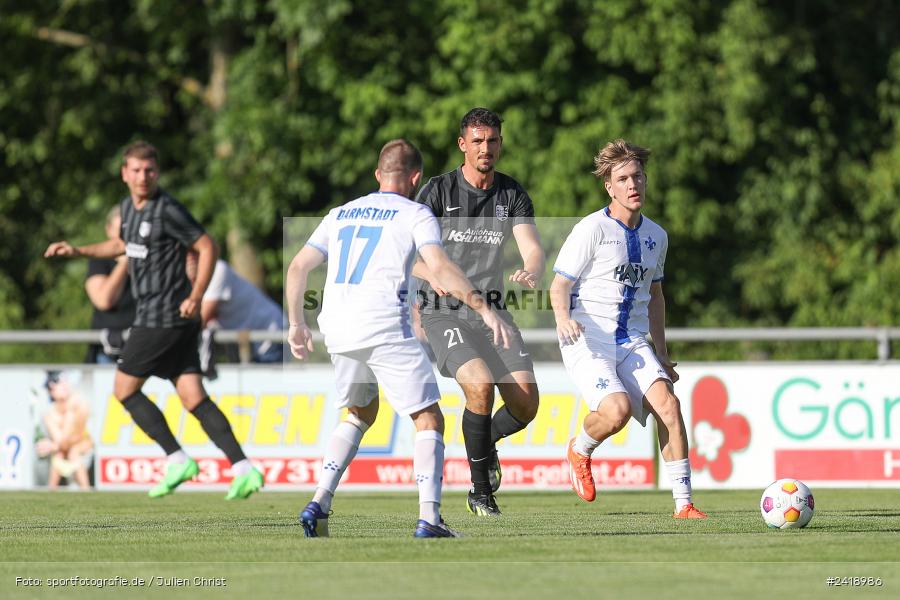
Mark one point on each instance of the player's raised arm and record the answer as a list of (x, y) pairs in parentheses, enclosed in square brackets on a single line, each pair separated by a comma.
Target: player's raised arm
[(451, 278), (104, 249), (533, 258), (567, 329), (299, 335)]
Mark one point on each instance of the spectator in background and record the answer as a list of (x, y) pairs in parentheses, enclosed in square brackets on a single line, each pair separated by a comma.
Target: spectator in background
[(108, 287), (68, 442), (233, 303)]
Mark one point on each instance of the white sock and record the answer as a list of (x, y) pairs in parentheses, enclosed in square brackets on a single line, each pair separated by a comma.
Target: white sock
[(680, 476), (177, 458), (341, 449), (241, 467), (585, 444), (323, 497), (428, 466)]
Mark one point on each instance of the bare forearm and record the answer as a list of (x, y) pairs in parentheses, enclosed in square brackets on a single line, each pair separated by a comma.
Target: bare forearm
[(294, 288), (104, 249), (206, 264), (421, 270), (452, 279), (535, 262), (656, 313), (560, 298)]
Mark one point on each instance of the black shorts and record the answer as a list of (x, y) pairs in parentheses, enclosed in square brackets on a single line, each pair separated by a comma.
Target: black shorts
[(165, 352), (456, 341)]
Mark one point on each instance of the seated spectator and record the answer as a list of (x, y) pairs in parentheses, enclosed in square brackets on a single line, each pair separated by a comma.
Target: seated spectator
[(108, 287), (68, 443), (233, 303)]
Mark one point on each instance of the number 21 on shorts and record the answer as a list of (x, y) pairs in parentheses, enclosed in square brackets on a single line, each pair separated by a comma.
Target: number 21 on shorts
[(453, 336)]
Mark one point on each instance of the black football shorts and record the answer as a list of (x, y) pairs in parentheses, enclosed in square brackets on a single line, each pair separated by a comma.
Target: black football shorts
[(456, 341), (165, 352)]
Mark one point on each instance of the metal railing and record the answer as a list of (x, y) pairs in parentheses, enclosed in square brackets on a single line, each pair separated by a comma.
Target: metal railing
[(881, 336)]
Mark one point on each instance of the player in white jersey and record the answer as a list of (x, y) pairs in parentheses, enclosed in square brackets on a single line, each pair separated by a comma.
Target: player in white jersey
[(372, 242), (607, 296)]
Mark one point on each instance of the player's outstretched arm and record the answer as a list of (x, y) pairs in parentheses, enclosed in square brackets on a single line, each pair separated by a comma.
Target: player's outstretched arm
[(567, 329), (451, 278), (299, 335), (533, 258), (421, 270), (656, 313), (104, 249)]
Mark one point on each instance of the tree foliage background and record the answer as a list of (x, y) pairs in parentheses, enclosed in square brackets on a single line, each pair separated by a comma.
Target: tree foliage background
[(775, 130)]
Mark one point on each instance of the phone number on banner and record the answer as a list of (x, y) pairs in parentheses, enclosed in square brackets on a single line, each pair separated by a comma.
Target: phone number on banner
[(128, 470)]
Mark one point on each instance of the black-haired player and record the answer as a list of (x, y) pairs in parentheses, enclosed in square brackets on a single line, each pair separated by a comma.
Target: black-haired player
[(480, 209)]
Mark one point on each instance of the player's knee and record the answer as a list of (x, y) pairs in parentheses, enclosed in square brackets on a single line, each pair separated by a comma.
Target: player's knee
[(122, 392), (526, 411), (479, 397), (617, 411), (669, 410)]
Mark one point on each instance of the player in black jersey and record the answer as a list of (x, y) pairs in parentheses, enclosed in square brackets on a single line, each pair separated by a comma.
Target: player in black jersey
[(156, 233), (479, 208)]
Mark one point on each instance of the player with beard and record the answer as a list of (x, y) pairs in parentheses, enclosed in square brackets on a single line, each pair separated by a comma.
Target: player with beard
[(156, 233), (479, 209)]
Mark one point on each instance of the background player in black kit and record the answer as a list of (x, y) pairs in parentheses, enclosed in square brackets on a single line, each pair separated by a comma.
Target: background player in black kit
[(156, 233), (479, 208)]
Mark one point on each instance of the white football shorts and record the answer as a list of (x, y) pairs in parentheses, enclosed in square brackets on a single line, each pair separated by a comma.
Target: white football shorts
[(602, 369), (401, 368)]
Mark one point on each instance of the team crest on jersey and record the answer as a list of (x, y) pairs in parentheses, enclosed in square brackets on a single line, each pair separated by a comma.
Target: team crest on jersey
[(144, 228), (502, 212)]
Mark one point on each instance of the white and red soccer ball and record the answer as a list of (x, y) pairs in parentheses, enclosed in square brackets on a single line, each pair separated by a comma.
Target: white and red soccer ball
[(787, 504)]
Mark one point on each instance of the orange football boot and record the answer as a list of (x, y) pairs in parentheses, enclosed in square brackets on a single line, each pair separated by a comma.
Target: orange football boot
[(580, 473), (689, 512)]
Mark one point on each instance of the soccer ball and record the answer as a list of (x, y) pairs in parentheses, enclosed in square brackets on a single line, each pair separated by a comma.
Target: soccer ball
[(787, 504)]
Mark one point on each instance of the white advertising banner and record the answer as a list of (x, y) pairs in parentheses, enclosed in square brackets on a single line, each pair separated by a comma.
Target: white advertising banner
[(748, 424), (833, 424)]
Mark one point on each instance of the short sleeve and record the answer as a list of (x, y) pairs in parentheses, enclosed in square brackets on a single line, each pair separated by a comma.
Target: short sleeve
[(319, 237), (99, 266), (216, 288), (661, 261), (426, 229), (180, 224), (577, 251), (521, 209), (430, 196)]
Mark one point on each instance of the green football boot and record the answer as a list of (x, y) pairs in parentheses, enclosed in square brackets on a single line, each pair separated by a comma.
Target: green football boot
[(244, 485), (176, 474)]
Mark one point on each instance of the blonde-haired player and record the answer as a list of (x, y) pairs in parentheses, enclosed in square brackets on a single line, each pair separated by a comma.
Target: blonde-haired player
[(607, 296)]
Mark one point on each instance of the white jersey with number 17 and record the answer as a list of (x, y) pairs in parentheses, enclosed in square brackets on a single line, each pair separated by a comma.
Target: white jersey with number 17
[(370, 244), (613, 267)]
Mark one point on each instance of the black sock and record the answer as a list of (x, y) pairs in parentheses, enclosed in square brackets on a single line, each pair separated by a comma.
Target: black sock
[(217, 427), (477, 435), (150, 419), (504, 424)]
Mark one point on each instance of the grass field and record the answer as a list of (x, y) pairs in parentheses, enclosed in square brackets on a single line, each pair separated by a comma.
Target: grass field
[(546, 545)]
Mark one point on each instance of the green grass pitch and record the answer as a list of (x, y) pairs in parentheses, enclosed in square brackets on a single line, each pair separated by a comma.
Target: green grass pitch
[(546, 545)]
